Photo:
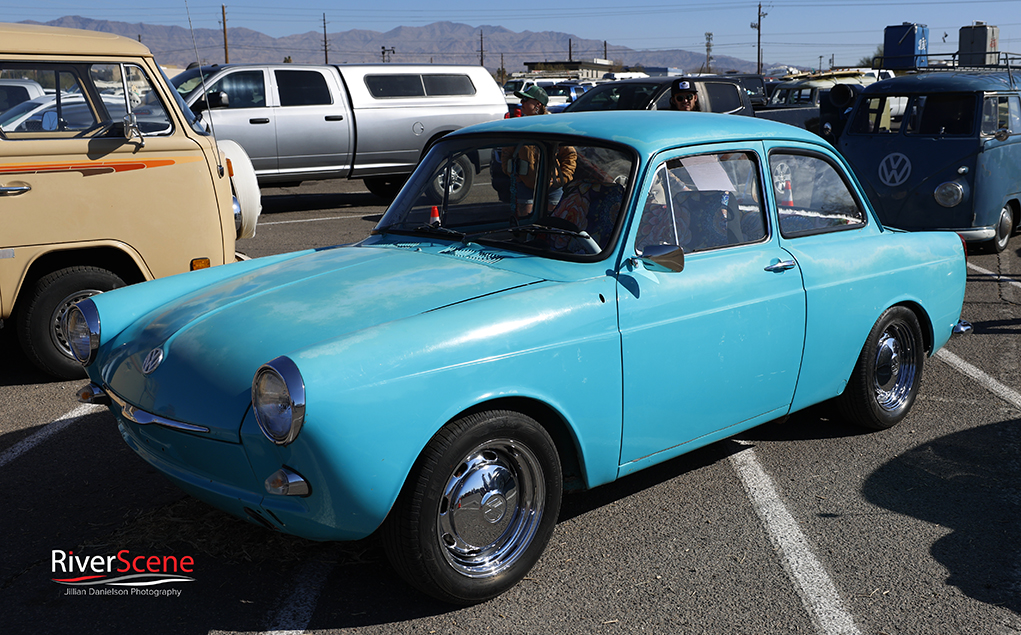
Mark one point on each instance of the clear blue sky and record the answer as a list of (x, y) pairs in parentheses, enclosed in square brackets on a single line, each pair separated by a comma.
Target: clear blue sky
[(795, 32)]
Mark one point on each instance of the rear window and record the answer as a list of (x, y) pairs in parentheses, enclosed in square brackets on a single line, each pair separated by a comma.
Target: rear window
[(416, 85)]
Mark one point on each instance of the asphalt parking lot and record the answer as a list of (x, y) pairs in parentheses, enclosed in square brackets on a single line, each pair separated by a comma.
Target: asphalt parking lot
[(804, 526)]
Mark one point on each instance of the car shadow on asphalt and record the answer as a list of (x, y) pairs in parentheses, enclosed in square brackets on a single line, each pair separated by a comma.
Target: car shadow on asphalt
[(968, 482)]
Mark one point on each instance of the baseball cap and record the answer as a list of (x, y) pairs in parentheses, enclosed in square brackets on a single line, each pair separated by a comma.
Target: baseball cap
[(682, 86), (533, 92)]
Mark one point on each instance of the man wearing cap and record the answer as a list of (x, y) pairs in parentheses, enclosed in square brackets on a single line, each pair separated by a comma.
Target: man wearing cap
[(683, 95), (523, 161)]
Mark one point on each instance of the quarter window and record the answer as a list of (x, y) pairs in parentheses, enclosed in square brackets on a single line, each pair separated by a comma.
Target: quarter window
[(703, 202), (811, 196)]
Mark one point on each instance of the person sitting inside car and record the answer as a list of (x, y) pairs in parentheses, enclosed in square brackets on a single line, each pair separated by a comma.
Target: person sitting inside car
[(683, 96)]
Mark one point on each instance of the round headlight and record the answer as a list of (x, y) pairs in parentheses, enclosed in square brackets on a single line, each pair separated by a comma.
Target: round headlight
[(949, 194), (81, 329), (278, 397)]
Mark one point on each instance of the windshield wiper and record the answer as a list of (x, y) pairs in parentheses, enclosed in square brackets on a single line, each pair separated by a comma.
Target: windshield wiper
[(534, 228)]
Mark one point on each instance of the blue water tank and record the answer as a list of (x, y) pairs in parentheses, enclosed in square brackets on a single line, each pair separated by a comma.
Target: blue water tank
[(906, 46)]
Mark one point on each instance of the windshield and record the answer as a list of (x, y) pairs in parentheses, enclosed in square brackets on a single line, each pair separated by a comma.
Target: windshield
[(513, 86), (942, 114), (617, 96), (549, 196)]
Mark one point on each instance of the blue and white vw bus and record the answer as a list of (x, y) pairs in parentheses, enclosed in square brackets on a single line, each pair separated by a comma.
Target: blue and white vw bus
[(941, 150)]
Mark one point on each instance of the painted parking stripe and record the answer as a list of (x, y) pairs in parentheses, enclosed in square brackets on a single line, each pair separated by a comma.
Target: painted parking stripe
[(998, 276), (1005, 393), (817, 591), (311, 220), (46, 432)]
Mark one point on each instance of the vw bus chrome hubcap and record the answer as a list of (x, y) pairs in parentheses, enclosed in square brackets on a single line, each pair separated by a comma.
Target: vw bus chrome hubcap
[(895, 367), (60, 314), (490, 508)]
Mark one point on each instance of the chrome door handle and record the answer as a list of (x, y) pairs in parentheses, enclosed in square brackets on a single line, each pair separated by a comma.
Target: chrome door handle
[(14, 190), (783, 265)]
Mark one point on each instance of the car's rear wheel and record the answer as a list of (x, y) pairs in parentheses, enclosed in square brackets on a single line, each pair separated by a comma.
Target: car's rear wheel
[(462, 175), (478, 508), (41, 316), (886, 378)]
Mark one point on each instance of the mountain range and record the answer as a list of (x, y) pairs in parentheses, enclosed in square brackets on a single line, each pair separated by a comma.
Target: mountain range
[(441, 43)]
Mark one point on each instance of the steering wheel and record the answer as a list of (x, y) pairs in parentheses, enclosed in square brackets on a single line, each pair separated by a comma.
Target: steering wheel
[(591, 246)]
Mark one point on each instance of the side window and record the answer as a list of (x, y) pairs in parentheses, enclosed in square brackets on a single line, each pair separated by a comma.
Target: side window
[(996, 114), (302, 88), (245, 89), (723, 97), (811, 195), (384, 86), (82, 99), (443, 85), (704, 202), (1015, 114)]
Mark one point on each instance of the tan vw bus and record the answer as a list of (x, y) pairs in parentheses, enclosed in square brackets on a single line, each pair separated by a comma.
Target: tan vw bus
[(106, 179)]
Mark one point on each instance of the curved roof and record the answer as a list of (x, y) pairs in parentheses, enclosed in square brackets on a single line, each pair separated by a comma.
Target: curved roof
[(651, 131), (35, 39), (942, 82)]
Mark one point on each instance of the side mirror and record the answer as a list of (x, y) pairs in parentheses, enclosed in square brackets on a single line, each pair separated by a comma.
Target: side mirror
[(209, 101), (50, 121), (663, 257), (1002, 134), (131, 129)]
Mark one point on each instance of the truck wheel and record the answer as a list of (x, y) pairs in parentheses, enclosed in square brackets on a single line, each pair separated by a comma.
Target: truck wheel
[(462, 174), (40, 318), (1004, 228), (385, 187)]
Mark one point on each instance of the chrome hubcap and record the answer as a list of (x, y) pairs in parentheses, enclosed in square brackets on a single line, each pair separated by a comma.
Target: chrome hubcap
[(456, 180), (895, 367), (491, 508), (1004, 228)]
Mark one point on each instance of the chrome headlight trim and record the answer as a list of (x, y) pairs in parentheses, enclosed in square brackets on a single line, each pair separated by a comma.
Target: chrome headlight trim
[(278, 399), (82, 330), (949, 194)]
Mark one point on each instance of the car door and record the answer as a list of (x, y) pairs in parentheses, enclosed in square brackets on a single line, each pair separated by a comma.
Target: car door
[(247, 117), (313, 126), (716, 345)]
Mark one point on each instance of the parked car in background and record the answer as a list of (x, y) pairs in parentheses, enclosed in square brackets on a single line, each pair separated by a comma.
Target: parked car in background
[(562, 94), (520, 84), (13, 91), (655, 282), (653, 93), (105, 180), (941, 150), (373, 122)]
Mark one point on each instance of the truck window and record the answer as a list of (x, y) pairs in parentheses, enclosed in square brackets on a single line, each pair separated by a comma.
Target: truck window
[(245, 89), (880, 114), (388, 86), (443, 85), (723, 97), (302, 88), (941, 114)]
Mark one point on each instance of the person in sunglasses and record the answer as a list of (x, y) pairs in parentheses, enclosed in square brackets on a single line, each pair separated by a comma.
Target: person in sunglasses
[(683, 96)]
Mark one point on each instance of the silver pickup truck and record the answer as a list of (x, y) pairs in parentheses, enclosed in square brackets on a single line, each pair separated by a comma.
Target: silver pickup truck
[(369, 121)]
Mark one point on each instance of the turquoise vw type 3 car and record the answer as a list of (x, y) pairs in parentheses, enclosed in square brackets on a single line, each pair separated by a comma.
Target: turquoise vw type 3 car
[(615, 290)]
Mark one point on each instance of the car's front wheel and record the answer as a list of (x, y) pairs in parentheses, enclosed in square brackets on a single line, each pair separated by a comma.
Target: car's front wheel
[(886, 378), (42, 313), (478, 508)]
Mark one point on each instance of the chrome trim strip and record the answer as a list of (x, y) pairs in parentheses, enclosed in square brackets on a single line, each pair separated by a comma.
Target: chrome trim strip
[(143, 418)]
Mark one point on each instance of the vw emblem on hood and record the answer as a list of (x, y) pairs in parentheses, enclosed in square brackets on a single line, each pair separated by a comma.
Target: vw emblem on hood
[(894, 169), (152, 361)]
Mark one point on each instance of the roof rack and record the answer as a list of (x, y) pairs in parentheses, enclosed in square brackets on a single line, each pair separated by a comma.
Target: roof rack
[(950, 62)]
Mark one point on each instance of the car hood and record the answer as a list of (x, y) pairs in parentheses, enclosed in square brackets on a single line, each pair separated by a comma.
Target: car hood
[(214, 339)]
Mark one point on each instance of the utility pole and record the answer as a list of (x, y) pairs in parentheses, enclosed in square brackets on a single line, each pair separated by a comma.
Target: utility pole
[(326, 44), (820, 63), (604, 50), (482, 48), (708, 52), (570, 50), (757, 25), (387, 52), (226, 53)]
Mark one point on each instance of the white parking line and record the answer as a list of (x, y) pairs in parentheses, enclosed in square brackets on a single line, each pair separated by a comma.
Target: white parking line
[(311, 220), (46, 432), (1005, 393), (995, 275), (817, 591)]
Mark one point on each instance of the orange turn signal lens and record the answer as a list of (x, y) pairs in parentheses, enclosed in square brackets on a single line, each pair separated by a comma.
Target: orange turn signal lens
[(200, 263)]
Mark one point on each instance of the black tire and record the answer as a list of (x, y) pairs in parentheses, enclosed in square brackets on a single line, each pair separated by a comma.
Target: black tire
[(42, 310), (462, 175), (385, 187), (886, 378), (478, 508), (1004, 228)]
